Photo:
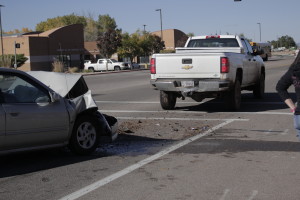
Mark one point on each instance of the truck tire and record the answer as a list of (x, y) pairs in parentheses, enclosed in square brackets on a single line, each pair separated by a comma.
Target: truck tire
[(91, 69), (233, 98), (167, 100), (259, 88), (117, 68)]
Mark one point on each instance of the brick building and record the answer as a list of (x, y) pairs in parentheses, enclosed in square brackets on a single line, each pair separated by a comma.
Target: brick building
[(43, 48)]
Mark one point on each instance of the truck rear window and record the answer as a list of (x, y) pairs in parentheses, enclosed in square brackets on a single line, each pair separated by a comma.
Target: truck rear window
[(213, 42)]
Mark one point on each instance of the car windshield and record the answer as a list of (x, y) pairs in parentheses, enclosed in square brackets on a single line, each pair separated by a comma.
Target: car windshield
[(113, 60), (213, 42)]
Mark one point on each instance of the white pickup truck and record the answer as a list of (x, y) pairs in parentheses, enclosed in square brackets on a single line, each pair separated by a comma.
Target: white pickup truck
[(208, 67), (106, 65)]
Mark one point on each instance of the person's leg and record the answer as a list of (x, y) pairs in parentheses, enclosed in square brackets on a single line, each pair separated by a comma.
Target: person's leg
[(297, 125)]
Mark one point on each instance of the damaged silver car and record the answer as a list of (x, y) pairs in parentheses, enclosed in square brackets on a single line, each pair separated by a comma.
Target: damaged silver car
[(46, 109)]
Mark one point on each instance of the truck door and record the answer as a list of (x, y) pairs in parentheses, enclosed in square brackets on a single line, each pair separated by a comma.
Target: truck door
[(253, 68), (101, 65), (249, 63)]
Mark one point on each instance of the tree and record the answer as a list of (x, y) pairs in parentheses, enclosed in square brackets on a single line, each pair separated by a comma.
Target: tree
[(90, 30), (105, 23), (108, 42), (23, 30), (109, 37), (130, 47), (56, 22), (284, 41)]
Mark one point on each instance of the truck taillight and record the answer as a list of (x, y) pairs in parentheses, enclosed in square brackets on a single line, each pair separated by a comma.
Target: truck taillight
[(225, 65), (152, 66)]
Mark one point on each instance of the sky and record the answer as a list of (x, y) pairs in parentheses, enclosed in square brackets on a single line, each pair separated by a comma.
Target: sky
[(201, 17)]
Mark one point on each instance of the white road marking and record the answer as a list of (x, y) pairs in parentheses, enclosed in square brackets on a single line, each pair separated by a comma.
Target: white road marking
[(254, 193), (198, 112), (131, 168), (285, 132), (186, 102), (226, 191), (179, 119)]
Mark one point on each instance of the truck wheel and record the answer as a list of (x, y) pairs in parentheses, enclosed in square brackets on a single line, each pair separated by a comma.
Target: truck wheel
[(259, 88), (85, 136), (167, 100), (233, 98), (117, 68), (91, 69)]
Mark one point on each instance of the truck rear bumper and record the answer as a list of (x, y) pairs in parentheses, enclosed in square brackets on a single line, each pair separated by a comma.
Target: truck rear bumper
[(200, 85)]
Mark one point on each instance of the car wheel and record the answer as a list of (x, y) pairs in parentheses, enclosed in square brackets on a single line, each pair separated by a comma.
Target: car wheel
[(85, 137), (117, 68), (91, 69), (167, 100), (259, 88), (233, 98)]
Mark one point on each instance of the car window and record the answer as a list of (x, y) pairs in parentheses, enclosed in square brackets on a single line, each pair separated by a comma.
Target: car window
[(17, 90)]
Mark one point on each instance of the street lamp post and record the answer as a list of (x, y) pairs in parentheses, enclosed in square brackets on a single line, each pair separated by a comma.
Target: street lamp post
[(161, 32), (259, 31), (144, 27), (1, 35)]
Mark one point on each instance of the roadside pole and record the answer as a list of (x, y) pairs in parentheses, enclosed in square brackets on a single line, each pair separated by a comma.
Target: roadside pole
[(15, 65)]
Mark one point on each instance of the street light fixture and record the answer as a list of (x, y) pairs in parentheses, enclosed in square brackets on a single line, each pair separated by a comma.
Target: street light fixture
[(1, 34), (144, 27), (259, 31), (161, 32)]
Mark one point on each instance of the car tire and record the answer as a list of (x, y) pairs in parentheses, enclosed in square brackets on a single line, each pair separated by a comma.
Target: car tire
[(117, 68), (85, 136), (259, 88), (233, 98), (167, 100)]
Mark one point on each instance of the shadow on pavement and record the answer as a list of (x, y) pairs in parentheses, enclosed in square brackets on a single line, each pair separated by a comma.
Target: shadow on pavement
[(271, 102), (234, 146), (29, 162)]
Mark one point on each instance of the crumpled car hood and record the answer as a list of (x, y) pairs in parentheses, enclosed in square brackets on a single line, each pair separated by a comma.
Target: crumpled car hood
[(61, 83)]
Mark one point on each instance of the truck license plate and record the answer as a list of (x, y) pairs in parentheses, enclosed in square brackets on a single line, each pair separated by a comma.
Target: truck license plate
[(187, 83)]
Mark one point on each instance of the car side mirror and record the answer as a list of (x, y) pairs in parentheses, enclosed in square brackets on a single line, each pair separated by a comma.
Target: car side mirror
[(54, 97)]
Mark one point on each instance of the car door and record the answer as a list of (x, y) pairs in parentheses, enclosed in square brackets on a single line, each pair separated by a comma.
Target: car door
[(32, 120)]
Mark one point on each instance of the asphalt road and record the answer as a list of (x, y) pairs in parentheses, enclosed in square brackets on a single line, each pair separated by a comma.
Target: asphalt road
[(198, 151)]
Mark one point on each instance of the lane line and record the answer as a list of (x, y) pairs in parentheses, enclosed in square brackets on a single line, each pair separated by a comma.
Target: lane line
[(253, 195), (226, 191), (196, 112), (285, 132), (108, 179), (179, 119), (269, 131), (187, 102)]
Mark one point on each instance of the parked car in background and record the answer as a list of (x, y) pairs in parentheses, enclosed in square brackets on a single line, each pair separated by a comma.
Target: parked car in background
[(106, 65), (133, 65), (47, 109)]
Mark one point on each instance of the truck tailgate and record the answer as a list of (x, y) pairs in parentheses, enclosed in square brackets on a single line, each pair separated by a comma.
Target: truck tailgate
[(188, 66)]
